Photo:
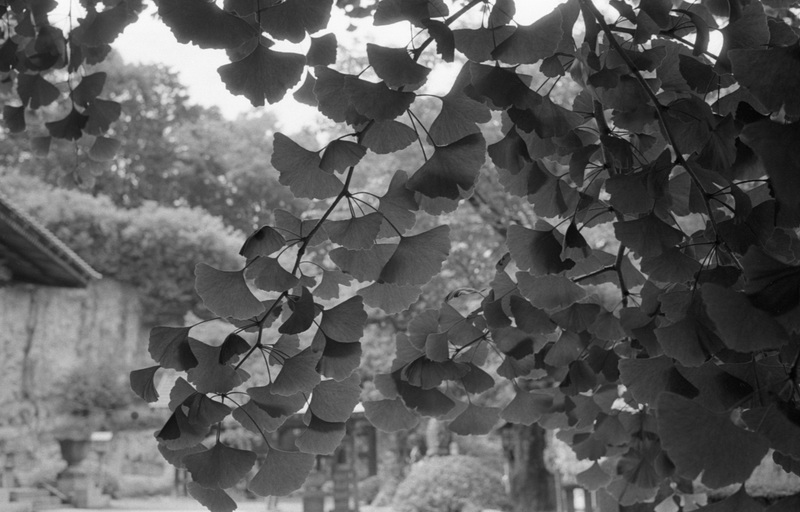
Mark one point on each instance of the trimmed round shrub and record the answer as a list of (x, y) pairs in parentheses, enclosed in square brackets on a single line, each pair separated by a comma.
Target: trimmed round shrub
[(455, 483)]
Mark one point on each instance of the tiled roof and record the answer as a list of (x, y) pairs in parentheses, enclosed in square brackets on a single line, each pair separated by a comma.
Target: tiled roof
[(35, 255)]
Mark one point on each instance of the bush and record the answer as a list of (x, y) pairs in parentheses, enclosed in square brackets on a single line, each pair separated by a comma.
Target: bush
[(152, 247), (455, 483)]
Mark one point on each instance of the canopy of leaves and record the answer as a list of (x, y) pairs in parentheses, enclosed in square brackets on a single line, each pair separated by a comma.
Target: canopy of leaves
[(671, 352)]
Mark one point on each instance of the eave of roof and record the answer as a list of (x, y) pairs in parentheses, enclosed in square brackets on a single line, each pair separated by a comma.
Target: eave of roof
[(35, 255)]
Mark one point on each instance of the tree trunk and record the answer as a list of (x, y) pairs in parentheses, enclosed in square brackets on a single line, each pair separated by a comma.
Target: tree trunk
[(531, 485)]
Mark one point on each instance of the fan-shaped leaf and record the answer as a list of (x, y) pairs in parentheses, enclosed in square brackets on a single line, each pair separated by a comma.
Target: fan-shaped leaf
[(322, 51), (169, 347), (204, 24), (232, 347), (396, 67), (291, 19), (390, 415), (215, 500), (397, 206), (452, 170), (329, 285), (88, 89), (321, 437), (262, 242), (345, 322), (35, 91), (209, 376), (339, 360), (142, 383), (69, 128), (536, 251), (341, 154), (220, 467), (303, 313), (298, 374), (418, 257), (263, 73), (226, 293), (593, 478), (475, 420), (549, 292), (269, 275), (647, 236), (355, 232), (389, 297), (101, 114), (698, 440), (377, 101), (334, 401), (300, 170), (388, 136), (531, 43), (281, 473)]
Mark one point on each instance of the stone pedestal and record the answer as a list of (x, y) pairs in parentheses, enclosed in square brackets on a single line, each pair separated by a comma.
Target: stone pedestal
[(75, 481)]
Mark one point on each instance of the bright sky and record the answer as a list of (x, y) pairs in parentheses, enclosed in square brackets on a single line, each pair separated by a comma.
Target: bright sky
[(150, 41)]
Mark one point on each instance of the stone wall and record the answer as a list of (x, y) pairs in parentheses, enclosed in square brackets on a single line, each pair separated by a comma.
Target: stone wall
[(47, 333)]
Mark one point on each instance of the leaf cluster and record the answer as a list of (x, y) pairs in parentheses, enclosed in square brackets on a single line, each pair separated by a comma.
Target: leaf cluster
[(685, 152)]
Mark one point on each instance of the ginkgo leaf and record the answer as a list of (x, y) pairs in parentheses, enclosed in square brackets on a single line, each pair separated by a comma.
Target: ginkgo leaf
[(578, 317), (443, 36), (14, 118), (328, 287), (390, 297), (778, 423), (648, 378), (143, 385), (750, 66), (388, 136), (282, 473), (232, 347), (262, 242), (774, 145), (175, 457), (502, 12), (530, 319), (333, 99), (452, 170), (204, 24), (417, 258), (477, 380), (536, 251), (104, 149), (698, 440), (179, 393), (202, 410), (333, 401), (647, 236), (298, 374), (264, 73), (274, 404), (388, 12), (178, 433), (339, 360), (671, 266), (593, 478), (209, 376), (291, 19), (322, 51), (527, 407), (321, 437), (269, 275), (303, 313), (88, 88), (35, 91), (390, 415), (226, 293), (475, 420), (364, 265), (531, 43), (102, 28), (356, 232), (479, 43), (771, 285), (220, 467), (69, 127), (169, 347), (256, 419), (458, 118), (742, 326), (549, 292), (300, 170), (341, 154), (396, 67), (345, 322), (215, 500), (397, 206), (427, 402), (101, 114), (377, 101)]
